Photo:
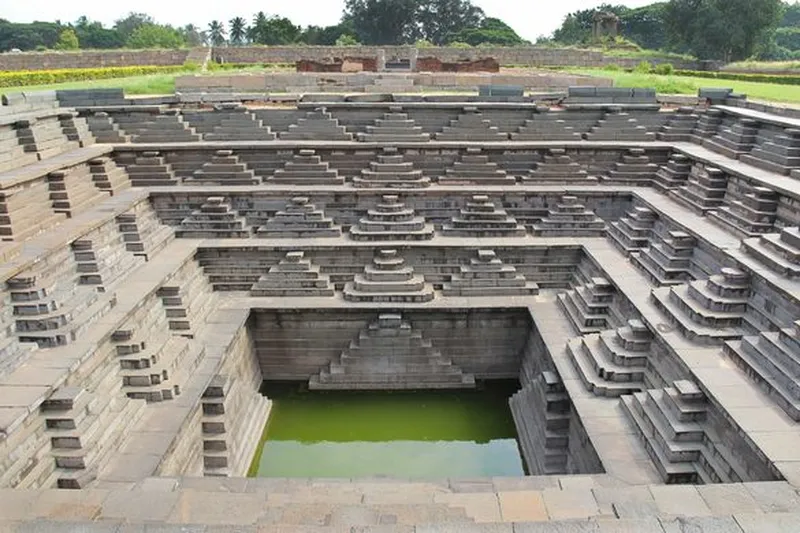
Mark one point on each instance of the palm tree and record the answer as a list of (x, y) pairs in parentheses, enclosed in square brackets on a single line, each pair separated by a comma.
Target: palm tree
[(238, 28), (256, 30), (216, 33)]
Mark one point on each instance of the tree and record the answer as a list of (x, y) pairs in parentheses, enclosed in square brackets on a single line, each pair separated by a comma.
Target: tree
[(131, 22), (238, 30), (645, 26), (273, 30), (577, 26), (383, 21), (492, 31), (791, 16), (439, 19), (67, 40), (347, 40), (216, 33), (92, 34), (788, 38), (29, 36), (193, 36), (155, 36), (727, 30)]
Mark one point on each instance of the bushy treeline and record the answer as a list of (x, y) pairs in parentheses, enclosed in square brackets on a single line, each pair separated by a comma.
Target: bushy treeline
[(368, 22)]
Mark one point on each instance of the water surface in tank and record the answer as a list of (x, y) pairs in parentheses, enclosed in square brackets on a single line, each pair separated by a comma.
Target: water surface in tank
[(408, 434)]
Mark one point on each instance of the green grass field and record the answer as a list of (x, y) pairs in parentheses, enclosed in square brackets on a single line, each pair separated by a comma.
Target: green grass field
[(689, 85)]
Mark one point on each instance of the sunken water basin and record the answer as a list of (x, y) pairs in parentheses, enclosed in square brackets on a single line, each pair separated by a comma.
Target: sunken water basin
[(402, 434)]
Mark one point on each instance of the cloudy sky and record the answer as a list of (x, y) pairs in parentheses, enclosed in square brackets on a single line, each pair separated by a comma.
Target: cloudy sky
[(530, 18)]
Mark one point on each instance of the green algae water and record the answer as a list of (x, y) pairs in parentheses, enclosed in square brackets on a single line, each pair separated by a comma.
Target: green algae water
[(421, 435)]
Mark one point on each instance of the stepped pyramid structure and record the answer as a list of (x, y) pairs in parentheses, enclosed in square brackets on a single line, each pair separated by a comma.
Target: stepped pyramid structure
[(318, 125), (674, 174), (588, 307), (107, 176), (547, 126), (471, 126), (613, 362), (391, 171), (772, 359), (704, 191), (631, 233), (395, 126), (557, 167), (293, 276), (680, 126), (570, 218), (618, 125), (299, 219), (390, 355), (667, 260), (214, 220), (474, 168), (306, 168), (779, 153), (780, 252), (480, 218), (150, 170), (224, 169), (486, 275), (752, 215), (388, 279), (708, 312), (234, 122), (736, 140), (391, 220), (635, 167), (671, 422)]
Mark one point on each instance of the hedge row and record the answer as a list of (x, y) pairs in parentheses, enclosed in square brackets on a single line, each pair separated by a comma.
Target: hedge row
[(47, 77), (780, 79)]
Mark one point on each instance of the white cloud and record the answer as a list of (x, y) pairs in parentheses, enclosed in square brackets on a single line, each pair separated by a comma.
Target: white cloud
[(529, 18)]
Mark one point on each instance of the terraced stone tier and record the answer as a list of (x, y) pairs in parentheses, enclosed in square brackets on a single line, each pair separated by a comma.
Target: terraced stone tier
[(471, 126), (635, 168), (107, 176), (388, 279), (704, 191), (613, 363), (754, 214), (474, 168), (486, 275), (293, 276), (780, 252), (150, 170), (632, 233), (214, 220), (780, 153), (708, 125), (588, 306), (395, 126), (306, 168), (481, 218), (224, 169), (667, 260), (709, 312), (569, 217), (391, 220), (680, 126), (736, 140), (390, 355), (618, 125), (317, 125), (299, 219), (557, 168), (674, 174), (391, 170)]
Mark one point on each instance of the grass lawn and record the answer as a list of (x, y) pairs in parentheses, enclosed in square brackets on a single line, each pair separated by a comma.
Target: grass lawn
[(688, 85)]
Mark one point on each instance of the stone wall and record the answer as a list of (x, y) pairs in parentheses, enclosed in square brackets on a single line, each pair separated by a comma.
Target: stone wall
[(91, 59), (519, 56)]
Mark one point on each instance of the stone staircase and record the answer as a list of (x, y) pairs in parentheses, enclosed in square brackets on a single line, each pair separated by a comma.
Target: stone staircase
[(570, 218), (105, 130), (474, 168), (161, 127), (390, 355), (557, 168), (671, 422), (674, 174), (588, 307), (293, 276), (613, 363), (306, 168), (150, 170), (214, 220), (667, 260), (391, 171), (300, 219), (780, 252), (736, 140), (388, 279), (707, 126), (107, 176), (143, 233), (778, 153), (772, 359), (634, 169), (471, 126), (395, 126), (753, 214), (391, 220), (317, 125), (541, 412), (617, 125), (486, 275), (708, 312), (481, 218), (704, 191), (632, 233), (223, 169), (680, 126), (73, 191)]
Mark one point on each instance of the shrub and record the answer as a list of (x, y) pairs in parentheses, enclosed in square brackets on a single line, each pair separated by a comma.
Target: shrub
[(459, 44), (613, 67), (347, 40), (424, 43), (664, 69), (48, 77), (779, 79), (644, 67)]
